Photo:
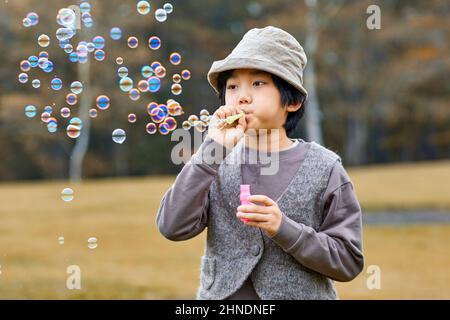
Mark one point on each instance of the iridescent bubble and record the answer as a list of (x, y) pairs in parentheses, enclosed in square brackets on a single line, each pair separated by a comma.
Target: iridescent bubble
[(146, 71), (132, 118), (115, 33), (93, 113), (85, 7), (176, 78), (151, 106), (43, 63), (56, 84), (143, 7), (90, 47), (68, 48), (30, 111), (186, 74), (43, 54), (86, 17), (151, 128), (36, 83), (171, 123), (154, 84), (160, 72), (99, 42), (168, 7), (99, 55), (76, 122), (71, 99), (126, 84), (73, 131), (26, 22), (65, 112), (49, 67), (67, 194), (176, 89), (119, 60), (92, 243), (25, 65), (82, 50), (66, 17), (63, 34), (44, 40), (76, 87), (163, 128), (122, 72), (143, 86), (134, 94), (102, 102), (33, 17), (23, 77), (186, 125), (158, 115), (73, 57), (175, 58), (45, 116), (205, 119), (192, 119), (204, 112), (48, 109), (200, 126), (61, 240), (133, 42), (154, 43), (155, 64), (33, 60), (174, 108), (161, 15), (52, 126), (119, 136)]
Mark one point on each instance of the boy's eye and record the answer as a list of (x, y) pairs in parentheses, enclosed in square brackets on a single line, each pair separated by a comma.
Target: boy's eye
[(258, 83), (231, 87)]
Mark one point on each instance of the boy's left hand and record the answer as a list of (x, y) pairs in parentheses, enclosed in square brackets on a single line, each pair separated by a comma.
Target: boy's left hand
[(267, 216)]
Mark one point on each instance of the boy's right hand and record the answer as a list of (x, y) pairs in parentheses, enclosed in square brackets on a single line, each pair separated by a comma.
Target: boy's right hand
[(227, 135)]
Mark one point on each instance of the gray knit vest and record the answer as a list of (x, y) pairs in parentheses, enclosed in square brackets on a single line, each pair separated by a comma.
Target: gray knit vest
[(235, 251)]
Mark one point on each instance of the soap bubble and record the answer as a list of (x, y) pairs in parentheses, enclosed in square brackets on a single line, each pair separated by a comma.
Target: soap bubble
[(119, 60), (33, 17), (175, 58), (43, 63), (45, 116), (171, 123), (25, 65), (122, 72), (115, 33), (204, 112), (61, 240), (63, 34), (66, 17), (26, 22), (73, 131), (154, 84), (85, 7), (163, 128), (49, 67), (48, 109), (176, 78), (44, 40), (119, 136), (158, 115), (93, 113), (43, 54), (92, 243), (134, 94), (82, 50), (65, 112), (143, 86), (161, 15), (160, 72), (23, 77), (143, 7), (71, 99), (126, 84), (176, 89), (154, 43), (67, 194), (68, 48), (146, 71), (151, 106), (133, 42), (56, 84), (102, 102), (76, 87), (174, 108), (73, 57), (99, 42), (33, 60), (76, 122), (52, 126), (186, 74), (186, 125), (36, 83), (99, 55), (168, 7), (192, 119), (151, 128), (155, 64), (131, 118), (90, 47), (30, 111), (200, 126)]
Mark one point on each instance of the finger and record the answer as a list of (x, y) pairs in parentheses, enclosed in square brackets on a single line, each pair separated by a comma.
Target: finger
[(261, 225), (228, 111), (254, 208), (261, 199), (255, 217)]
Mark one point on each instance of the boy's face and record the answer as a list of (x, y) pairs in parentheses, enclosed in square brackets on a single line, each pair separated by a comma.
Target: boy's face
[(256, 94)]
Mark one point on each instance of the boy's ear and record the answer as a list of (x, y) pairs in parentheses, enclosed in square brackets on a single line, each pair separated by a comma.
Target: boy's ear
[(294, 107)]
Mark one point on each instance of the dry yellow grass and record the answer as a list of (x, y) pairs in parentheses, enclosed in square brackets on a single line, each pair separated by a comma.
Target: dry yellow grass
[(134, 261)]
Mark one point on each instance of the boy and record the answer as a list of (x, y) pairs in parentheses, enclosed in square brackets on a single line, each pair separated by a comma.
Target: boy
[(303, 228)]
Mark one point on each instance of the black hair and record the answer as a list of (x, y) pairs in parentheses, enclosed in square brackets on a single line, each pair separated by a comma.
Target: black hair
[(289, 95)]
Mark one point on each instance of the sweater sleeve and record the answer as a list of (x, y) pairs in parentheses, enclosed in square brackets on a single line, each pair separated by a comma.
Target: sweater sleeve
[(183, 211), (335, 250)]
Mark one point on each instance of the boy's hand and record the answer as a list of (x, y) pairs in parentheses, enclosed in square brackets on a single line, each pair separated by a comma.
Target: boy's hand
[(267, 216), (227, 135)]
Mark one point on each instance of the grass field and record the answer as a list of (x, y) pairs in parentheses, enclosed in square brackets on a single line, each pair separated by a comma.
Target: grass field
[(133, 261)]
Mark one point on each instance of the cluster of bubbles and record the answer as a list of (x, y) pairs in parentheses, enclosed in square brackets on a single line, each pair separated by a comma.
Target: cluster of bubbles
[(92, 242), (200, 123), (144, 8)]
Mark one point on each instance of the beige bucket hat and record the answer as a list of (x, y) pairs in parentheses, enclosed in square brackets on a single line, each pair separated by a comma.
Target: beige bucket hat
[(268, 49)]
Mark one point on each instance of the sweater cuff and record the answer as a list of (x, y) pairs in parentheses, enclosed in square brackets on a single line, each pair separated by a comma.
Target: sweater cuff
[(210, 153), (288, 234)]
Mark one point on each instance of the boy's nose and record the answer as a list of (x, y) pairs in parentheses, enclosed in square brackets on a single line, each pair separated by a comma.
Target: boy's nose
[(245, 99)]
